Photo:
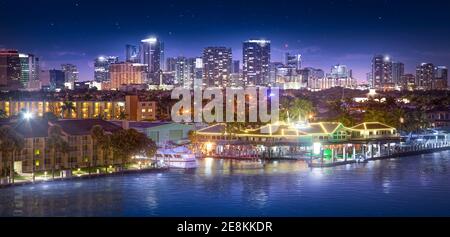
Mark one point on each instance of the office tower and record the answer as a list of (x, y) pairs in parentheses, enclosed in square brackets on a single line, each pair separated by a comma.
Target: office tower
[(425, 76), (285, 77), (256, 60), (70, 72), (29, 65), (171, 64), (293, 60), (381, 72), (216, 66), (184, 72), (198, 73), (101, 67), (152, 53), (57, 79), (235, 66), (131, 53), (127, 74), (25, 69), (340, 76), (440, 77), (398, 69), (10, 69), (408, 82), (312, 77)]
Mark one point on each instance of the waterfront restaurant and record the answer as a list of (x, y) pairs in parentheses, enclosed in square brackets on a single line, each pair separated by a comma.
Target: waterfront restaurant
[(326, 140)]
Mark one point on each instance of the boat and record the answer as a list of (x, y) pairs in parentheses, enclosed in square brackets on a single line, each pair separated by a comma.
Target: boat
[(176, 157)]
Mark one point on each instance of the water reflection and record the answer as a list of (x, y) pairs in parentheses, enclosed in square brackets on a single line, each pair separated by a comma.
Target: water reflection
[(396, 187)]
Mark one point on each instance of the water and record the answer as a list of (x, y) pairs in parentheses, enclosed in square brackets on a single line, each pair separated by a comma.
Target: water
[(409, 186)]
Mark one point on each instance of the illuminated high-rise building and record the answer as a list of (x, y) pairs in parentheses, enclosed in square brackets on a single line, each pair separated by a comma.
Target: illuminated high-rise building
[(425, 76), (381, 72), (10, 69), (70, 72), (398, 69), (256, 62), (101, 67), (441, 77), (131, 53), (217, 66), (293, 60), (152, 55), (184, 72), (124, 74)]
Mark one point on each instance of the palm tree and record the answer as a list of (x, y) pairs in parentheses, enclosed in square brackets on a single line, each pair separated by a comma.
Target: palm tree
[(105, 145), (67, 107), (97, 133), (301, 109), (3, 114), (11, 143), (122, 115), (56, 143)]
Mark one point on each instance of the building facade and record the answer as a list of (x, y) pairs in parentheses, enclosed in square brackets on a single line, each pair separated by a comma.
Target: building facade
[(127, 74), (131, 107), (10, 70), (101, 67), (425, 76), (152, 55), (381, 72), (216, 66), (256, 62)]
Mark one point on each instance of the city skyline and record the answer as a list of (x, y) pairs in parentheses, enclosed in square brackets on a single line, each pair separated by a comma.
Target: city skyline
[(186, 29)]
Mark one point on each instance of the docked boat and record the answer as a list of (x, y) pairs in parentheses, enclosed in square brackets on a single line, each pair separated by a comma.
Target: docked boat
[(176, 157)]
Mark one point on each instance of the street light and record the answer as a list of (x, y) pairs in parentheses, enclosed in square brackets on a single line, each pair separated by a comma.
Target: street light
[(27, 115)]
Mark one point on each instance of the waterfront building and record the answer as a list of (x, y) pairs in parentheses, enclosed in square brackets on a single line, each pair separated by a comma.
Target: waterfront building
[(101, 67), (36, 157), (216, 66), (439, 117), (163, 133), (304, 139), (425, 76), (127, 74), (382, 72), (10, 69), (255, 63), (132, 107)]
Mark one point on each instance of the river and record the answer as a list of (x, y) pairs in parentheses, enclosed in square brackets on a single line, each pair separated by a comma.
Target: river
[(408, 186)]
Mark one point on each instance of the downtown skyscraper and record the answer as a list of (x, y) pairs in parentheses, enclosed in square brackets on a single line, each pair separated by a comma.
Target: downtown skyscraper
[(256, 62), (381, 72), (217, 66), (10, 69), (101, 67), (152, 55), (425, 76)]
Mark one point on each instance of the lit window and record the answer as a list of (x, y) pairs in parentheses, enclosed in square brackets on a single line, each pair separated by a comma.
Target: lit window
[(143, 110)]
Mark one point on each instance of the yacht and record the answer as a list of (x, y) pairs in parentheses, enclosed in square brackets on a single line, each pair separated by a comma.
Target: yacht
[(176, 157)]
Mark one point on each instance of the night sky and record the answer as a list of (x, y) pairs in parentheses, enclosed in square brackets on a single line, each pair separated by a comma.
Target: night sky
[(326, 32)]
